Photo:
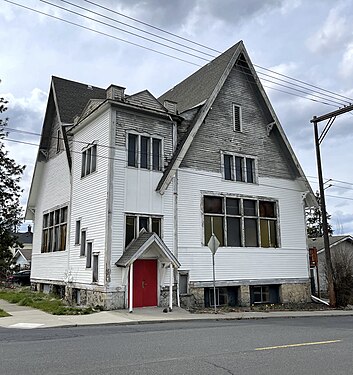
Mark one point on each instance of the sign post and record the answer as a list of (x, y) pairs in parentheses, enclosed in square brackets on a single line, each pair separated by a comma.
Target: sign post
[(213, 245)]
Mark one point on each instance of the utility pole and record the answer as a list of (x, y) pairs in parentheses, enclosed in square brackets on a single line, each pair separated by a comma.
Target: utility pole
[(318, 139)]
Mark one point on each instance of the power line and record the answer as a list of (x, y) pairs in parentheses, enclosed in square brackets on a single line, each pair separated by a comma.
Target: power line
[(212, 49), (184, 170), (152, 26), (162, 53), (100, 32), (264, 74), (124, 31), (132, 27)]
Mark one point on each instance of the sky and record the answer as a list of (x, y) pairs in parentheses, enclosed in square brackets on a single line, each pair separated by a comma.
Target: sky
[(311, 41)]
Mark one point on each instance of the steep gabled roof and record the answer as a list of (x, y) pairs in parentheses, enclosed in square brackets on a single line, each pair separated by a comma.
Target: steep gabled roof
[(333, 240), (199, 86), (204, 86), (72, 97)]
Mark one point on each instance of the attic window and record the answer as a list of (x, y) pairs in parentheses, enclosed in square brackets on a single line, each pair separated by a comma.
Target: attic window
[(237, 120)]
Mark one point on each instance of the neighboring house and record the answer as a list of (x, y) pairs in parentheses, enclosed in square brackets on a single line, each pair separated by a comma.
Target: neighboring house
[(128, 189), (22, 255), (340, 246)]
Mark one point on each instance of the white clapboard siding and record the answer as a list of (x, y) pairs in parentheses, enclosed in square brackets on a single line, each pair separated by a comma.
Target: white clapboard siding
[(136, 194), (54, 191), (288, 261), (89, 198)]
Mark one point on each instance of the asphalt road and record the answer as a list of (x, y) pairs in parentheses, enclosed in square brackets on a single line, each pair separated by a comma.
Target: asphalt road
[(271, 346)]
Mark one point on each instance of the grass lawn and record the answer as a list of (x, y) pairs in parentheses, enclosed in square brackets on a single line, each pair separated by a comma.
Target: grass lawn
[(3, 313), (45, 302)]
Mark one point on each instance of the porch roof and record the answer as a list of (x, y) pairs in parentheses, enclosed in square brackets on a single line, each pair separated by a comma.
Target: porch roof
[(144, 242)]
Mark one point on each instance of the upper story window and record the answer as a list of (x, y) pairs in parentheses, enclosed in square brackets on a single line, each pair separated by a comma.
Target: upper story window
[(89, 160), (144, 152), (134, 223), (239, 168), (54, 230), (240, 222), (237, 118)]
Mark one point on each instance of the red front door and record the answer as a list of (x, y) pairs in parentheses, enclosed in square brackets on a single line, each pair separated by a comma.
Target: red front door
[(145, 283)]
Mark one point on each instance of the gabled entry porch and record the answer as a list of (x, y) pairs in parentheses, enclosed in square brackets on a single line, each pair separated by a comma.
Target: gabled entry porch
[(146, 261)]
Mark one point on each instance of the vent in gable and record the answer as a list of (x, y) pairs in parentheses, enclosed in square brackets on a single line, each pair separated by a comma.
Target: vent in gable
[(237, 121)]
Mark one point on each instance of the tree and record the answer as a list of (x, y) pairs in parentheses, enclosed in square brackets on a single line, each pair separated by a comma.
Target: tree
[(314, 221), (10, 192), (342, 273)]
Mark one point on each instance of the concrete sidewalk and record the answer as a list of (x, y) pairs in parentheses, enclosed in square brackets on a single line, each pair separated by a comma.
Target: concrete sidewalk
[(26, 317)]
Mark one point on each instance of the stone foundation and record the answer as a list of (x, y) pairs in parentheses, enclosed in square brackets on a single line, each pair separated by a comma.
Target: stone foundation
[(164, 297), (244, 295), (195, 298), (295, 293)]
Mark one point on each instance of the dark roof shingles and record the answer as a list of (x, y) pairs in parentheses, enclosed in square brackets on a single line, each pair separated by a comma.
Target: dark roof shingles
[(72, 97), (199, 86)]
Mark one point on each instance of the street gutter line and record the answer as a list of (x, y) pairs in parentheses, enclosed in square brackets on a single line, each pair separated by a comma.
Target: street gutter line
[(296, 345)]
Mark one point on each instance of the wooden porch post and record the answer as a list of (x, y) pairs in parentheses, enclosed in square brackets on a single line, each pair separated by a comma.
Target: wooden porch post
[(171, 287), (131, 285)]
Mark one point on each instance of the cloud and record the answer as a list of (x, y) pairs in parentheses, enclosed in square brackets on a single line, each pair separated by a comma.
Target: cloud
[(334, 33), (346, 65), (342, 223)]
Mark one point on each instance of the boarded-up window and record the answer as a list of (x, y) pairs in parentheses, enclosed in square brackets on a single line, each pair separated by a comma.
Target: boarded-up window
[(183, 283)]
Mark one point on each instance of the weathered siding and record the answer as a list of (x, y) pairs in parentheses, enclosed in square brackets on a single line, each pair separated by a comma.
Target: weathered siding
[(288, 261), (89, 198), (217, 134), (145, 99), (145, 125), (54, 191)]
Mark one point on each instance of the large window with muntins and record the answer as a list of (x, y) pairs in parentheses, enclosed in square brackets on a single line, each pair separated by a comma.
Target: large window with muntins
[(238, 221), (54, 230)]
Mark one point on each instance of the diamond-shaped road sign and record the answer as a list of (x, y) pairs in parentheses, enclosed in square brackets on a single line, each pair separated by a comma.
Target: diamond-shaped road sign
[(213, 244)]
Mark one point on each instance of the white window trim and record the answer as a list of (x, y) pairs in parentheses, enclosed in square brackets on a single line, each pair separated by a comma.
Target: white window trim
[(84, 150)]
